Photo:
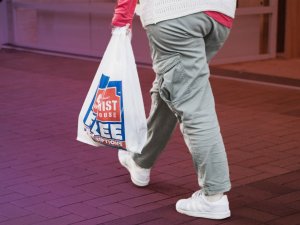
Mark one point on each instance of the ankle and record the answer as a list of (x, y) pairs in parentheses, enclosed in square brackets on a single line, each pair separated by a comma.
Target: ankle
[(214, 198)]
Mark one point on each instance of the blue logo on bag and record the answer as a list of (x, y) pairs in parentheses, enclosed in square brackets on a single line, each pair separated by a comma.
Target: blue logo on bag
[(104, 120)]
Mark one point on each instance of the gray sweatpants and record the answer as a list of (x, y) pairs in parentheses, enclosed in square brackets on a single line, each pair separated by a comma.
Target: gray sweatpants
[(181, 49)]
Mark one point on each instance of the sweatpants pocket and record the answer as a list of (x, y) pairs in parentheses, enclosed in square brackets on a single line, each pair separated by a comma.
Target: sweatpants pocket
[(171, 77)]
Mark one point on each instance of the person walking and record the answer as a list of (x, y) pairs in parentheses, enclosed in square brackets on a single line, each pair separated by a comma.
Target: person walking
[(184, 35)]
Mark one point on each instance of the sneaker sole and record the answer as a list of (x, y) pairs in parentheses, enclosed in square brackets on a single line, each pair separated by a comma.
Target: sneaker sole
[(134, 181), (214, 216)]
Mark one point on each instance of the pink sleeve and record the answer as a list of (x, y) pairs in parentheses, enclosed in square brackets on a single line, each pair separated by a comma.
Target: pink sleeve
[(124, 12)]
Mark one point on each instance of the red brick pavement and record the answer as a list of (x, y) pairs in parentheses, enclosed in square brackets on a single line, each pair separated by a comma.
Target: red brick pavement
[(47, 177)]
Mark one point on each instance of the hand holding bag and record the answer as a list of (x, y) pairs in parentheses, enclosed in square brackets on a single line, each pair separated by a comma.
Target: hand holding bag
[(113, 112)]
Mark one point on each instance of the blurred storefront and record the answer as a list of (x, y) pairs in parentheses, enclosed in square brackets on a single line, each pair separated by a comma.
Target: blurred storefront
[(262, 29)]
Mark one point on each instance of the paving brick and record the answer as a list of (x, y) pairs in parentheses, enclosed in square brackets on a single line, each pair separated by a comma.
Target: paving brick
[(271, 187), (28, 201), (294, 185), (276, 155), (286, 198), (253, 194), (181, 163), (112, 181), (168, 189), (287, 178), (2, 218), (238, 172), (255, 161), (172, 170), (96, 189), (135, 219), (167, 160), (84, 210), (46, 210), (51, 180), (183, 180), (275, 209), (172, 201), (288, 145), (10, 173), (154, 197), (271, 169), (19, 180), (68, 219), (34, 164), (254, 214), (161, 178), (238, 203), (27, 190), (119, 209), (148, 207), (95, 178), (58, 165), (5, 191), (62, 189), (290, 220), (286, 162), (169, 213), (294, 151), (75, 171), (118, 197), (293, 167), (251, 179), (206, 221), (132, 189), (242, 221), (10, 197), (295, 205), (161, 221), (68, 200), (97, 220), (236, 156), (24, 220), (12, 211)]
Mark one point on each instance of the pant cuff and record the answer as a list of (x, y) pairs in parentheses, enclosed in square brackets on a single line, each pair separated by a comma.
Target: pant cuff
[(213, 191)]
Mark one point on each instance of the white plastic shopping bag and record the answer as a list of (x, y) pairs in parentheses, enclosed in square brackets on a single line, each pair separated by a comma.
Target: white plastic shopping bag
[(113, 112)]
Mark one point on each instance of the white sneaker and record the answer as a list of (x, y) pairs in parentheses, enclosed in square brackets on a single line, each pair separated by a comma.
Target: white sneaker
[(139, 176), (199, 206)]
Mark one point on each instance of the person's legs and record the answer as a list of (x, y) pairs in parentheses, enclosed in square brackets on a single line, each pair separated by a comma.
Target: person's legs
[(202, 135), (179, 49), (161, 123), (160, 126)]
